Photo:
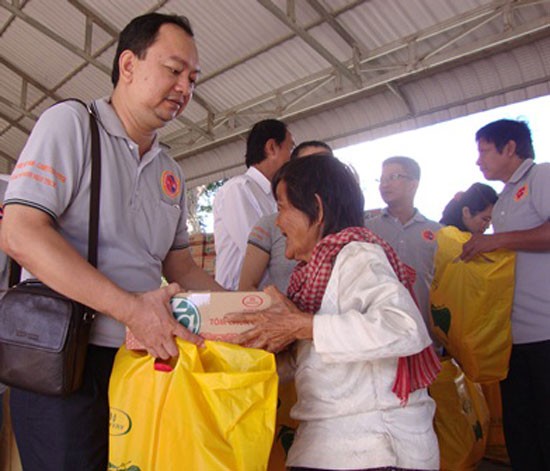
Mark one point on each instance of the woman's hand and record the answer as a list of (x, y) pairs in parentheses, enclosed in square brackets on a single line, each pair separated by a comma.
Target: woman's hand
[(276, 327)]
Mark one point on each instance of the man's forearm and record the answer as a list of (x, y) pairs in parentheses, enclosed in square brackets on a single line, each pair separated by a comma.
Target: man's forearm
[(530, 240), (179, 267), (197, 279), (39, 248)]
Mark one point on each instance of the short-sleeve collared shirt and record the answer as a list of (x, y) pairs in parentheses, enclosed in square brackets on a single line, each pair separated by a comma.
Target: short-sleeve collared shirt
[(415, 244), (239, 203), (268, 237), (525, 204), (142, 203)]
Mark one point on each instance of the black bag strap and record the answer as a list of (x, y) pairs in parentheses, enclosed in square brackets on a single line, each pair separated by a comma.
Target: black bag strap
[(15, 273), (93, 225)]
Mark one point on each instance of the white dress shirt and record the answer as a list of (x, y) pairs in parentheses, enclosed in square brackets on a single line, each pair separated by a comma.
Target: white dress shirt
[(349, 416), (237, 207)]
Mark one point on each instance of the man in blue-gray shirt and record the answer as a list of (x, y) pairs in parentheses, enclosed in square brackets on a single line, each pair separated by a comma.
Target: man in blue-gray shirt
[(521, 219), (142, 232), (410, 233)]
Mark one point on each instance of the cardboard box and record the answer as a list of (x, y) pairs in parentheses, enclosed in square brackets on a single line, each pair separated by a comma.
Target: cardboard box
[(202, 313)]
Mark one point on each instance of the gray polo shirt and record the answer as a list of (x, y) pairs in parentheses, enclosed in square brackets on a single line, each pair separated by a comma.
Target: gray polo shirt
[(415, 244), (143, 212), (524, 204), (268, 237)]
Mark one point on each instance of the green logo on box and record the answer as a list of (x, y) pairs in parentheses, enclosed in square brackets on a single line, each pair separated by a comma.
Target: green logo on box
[(187, 314)]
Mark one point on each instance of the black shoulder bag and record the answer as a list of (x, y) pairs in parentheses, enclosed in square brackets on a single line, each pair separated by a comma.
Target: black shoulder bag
[(43, 334)]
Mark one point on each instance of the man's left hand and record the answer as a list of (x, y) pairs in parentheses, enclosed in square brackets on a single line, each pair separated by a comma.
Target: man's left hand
[(479, 244)]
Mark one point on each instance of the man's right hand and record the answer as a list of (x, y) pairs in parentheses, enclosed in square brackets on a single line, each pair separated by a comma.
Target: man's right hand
[(151, 321)]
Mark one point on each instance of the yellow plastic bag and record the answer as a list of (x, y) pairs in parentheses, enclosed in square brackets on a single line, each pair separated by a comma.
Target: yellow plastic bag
[(461, 419), (496, 444), (471, 305), (214, 411)]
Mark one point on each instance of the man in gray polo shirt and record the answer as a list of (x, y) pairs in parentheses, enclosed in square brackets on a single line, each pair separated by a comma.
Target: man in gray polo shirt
[(142, 231), (410, 234), (521, 219)]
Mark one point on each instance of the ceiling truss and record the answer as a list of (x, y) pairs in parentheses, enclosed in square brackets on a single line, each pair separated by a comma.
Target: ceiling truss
[(363, 72)]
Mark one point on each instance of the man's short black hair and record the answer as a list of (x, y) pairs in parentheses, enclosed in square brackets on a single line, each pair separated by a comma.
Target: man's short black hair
[(323, 145), (260, 133), (503, 131), (410, 166), (334, 183), (141, 32)]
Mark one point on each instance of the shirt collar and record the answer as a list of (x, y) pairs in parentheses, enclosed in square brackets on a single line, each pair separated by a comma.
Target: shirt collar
[(521, 171), (260, 179), (110, 121), (417, 217)]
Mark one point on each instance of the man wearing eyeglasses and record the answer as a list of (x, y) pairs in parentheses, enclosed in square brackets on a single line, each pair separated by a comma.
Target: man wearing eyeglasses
[(410, 233)]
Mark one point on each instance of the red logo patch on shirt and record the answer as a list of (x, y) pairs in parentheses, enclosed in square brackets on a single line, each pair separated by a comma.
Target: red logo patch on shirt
[(428, 235), (170, 184), (521, 193)]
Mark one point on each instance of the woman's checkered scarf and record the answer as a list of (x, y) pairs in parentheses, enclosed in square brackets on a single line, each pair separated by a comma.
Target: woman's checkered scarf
[(308, 283)]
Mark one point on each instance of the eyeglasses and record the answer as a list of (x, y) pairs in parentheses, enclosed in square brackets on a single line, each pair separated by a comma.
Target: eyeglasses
[(392, 177)]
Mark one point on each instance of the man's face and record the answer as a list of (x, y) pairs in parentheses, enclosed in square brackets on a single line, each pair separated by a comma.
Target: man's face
[(162, 82), (282, 151), (396, 186), (493, 164)]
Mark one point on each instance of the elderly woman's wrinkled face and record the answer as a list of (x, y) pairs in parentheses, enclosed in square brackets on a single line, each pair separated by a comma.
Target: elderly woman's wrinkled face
[(301, 235)]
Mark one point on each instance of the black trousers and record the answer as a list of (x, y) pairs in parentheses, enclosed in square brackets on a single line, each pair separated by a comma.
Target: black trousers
[(1, 410), (526, 407), (58, 434)]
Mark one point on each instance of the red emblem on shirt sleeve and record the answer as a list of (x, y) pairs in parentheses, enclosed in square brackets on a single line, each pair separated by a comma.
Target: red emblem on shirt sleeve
[(170, 184), (521, 193), (428, 235)]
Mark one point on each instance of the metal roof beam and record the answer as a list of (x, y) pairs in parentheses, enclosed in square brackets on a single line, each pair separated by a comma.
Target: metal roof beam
[(208, 173), (27, 78), (98, 19), (11, 18), (17, 108), (402, 98), (540, 25), (195, 127), (106, 25), (54, 36), (329, 18), (13, 123), (411, 42), (311, 42), (8, 157), (274, 44)]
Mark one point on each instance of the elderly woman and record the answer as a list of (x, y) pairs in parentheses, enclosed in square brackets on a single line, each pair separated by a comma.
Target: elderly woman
[(361, 352)]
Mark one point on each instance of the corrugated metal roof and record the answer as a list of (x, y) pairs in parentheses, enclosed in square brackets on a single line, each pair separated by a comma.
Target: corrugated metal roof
[(339, 70)]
